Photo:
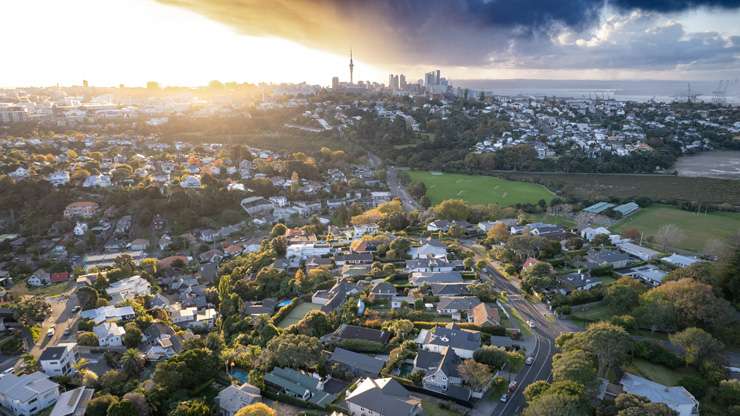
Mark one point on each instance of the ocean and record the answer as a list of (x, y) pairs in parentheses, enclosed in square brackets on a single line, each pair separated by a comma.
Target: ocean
[(642, 91)]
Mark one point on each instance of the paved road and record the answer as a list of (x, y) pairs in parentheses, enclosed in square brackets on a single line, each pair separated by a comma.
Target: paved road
[(399, 191), (546, 329), (60, 319)]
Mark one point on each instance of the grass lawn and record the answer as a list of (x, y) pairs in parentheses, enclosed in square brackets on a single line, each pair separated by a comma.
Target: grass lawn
[(698, 228), (297, 314), (597, 313), (477, 189), (658, 373), (21, 289), (432, 408)]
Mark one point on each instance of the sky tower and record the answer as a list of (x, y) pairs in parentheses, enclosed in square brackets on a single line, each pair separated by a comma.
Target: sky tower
[(351, 67)]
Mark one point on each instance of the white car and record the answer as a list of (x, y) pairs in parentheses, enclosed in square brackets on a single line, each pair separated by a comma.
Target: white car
[(50, 332), (504, 398), (530, 323), (529, 360)]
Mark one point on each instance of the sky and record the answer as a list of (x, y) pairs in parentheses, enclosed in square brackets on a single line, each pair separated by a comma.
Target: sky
[(190, 42)]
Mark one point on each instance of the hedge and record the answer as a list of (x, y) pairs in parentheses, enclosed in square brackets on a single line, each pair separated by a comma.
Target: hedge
[(360, 345), (285, 310)]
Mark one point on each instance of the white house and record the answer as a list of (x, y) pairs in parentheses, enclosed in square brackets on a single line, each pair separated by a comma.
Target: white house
[(190, 181), (305, 250), (109, 334), (678, 260), (381, 397), (59, 360), (109, 313), (28, 394), (128, 288), (80, 229), (39, 278), (58, 178), (589, 233), (430, 248), (231, 399), (677, 398), (73, 402)]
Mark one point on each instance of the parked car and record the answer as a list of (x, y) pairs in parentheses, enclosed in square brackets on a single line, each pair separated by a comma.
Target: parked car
[(504, 398), (50, 332), (512, 386), (530, 323), (529, 360), (76, 309)]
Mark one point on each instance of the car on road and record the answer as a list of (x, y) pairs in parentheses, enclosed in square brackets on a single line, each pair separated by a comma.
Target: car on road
[(530, 323), (50, 332), (512, 386), (10, 370), (504, 398), (76, 309), (529, 360)]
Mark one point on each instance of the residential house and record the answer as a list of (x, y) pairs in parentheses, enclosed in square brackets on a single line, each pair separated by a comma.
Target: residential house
[(128, 288), (190, 182), (589, 233), (382, 397), (39, 278), (353, 258), (360, 365), (27, 394), (73, 402), (140, 244), (677, 398), (233, 398), (109, 334), (678, 260), (422, 278), (463, 341), (607, 258), (449, 289), (440, 372), (162, 342), (456, 306), (485, 316), (299, 385), (83, 209), (430, 248), (642, 253), (109, 313), (577, 281), (353, 332), (60, 359), (335, 297), (648, 273), (256, 205), (382, 291), (264, 307), (432, 264)]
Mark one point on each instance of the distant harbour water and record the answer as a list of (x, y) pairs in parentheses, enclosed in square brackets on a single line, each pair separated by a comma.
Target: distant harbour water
[(723, 164), (640, 91)]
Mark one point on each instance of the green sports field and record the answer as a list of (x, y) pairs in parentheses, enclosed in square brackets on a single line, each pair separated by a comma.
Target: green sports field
[(476, 189), (297, 314), (698, 228)]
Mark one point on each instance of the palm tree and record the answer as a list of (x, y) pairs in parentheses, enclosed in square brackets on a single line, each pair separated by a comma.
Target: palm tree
[(132, 361), (81, 364)]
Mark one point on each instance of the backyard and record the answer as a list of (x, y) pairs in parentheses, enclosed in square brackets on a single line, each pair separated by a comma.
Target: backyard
[(698, 229), (477, 189), (297, 314)]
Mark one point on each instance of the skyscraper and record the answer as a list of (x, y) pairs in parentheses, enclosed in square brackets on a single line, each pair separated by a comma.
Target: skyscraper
[(335, 83), (402, 81), (351, 68)]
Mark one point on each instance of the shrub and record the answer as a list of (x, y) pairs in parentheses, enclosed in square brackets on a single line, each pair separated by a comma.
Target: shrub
[(657, 354)]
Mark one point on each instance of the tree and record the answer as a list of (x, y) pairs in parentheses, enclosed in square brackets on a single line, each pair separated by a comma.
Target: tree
[(499, 232), (278, 230), (452, 209), (632, 405), (99, 405), (728, 392), (468, 263), (684, 303), (400, 328), (475, 374), (256, 409), (497, 357), (538, 276), (624, 294), (609, 343), (139, 402), (191, 408), (132, 337), (576, 366), (122, 408), (88, 297), (279, 245), (534, 390), (132, 362), (556, 405), (600, 240), (32, 310), (668, 236), (632, 234), (290, 350), (696, 345), (88, 339), (314, 324)]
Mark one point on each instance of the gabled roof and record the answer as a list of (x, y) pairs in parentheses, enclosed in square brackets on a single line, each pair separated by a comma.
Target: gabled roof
[(360, 332), (384, 396), (365, 363)]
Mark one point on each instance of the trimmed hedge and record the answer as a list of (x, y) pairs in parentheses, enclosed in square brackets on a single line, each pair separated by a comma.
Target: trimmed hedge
[(285, 310)]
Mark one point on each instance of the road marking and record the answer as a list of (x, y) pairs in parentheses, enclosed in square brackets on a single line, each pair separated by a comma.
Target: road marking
[(519, 385)]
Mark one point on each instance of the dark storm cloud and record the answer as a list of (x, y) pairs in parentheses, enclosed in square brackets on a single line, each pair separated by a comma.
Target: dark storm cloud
[(450, 32)]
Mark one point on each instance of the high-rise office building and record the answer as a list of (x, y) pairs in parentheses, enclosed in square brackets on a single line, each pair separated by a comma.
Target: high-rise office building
[(402, 81), (335, 83)]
